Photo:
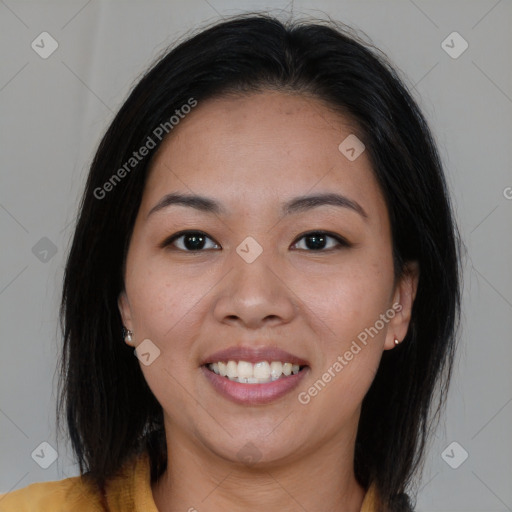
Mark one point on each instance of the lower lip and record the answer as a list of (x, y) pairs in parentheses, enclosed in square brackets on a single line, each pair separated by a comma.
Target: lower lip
[(253, 394)]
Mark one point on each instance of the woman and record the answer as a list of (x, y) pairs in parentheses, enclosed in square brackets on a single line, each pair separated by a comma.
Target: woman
[(266, 222)]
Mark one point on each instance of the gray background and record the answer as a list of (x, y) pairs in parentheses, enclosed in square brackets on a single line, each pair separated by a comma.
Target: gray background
[(54, 111)]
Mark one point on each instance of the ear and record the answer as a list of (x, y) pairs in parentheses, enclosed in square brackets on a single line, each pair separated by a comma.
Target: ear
[(403, 299), (125, 310)]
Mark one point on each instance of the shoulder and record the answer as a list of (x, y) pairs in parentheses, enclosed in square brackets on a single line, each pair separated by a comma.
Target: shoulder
[(56, 496), (126, 491)]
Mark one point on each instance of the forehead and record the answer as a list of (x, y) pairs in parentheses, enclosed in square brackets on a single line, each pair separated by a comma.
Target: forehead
[(261, 145)]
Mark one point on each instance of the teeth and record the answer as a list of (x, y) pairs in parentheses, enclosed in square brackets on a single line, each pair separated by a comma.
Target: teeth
[(231, 370), (244, 370), (259, 373), (276, 368), (261, 370)]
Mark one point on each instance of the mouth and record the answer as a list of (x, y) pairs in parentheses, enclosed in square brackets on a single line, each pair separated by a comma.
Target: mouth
[(251, 376)]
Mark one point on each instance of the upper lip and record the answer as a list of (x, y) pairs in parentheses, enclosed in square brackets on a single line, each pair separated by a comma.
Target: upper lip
[(254, 355)]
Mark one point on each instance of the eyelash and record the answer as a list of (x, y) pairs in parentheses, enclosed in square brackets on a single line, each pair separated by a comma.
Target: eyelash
[(342, 243)]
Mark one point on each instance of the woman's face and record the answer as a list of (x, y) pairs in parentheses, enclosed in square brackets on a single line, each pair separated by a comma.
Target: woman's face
[(258, 282)]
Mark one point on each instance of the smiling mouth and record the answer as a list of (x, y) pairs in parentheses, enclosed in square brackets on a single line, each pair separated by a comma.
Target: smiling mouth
[(258, 373)]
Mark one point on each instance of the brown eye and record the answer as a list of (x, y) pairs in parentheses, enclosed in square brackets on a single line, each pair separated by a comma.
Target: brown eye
[(189, 241), (319, 241)]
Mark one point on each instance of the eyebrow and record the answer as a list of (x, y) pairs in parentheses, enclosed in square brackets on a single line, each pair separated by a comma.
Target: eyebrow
[(295, 205)]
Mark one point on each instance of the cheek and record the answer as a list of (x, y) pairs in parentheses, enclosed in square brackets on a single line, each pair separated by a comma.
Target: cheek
[(335, 395), (165, 310), (349, 296), (159, 297), (350, 345)]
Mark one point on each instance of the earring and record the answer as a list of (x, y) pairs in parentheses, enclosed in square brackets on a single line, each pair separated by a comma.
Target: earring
[(397, 342), (127, 335)]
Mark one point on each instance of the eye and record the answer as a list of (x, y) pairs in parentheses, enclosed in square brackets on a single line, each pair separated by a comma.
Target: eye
[(317, 241), (192, 241)]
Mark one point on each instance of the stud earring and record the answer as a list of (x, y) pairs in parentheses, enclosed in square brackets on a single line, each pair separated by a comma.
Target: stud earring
[(127, 335), (397, 342)]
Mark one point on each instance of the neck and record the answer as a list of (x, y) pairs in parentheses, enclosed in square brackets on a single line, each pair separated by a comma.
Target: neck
[(196, 480)]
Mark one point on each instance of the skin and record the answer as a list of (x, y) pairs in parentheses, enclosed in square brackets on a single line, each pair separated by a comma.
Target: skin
[(253, 153)]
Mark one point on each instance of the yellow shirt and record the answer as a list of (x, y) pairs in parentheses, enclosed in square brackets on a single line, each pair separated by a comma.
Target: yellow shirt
[(129, 492)]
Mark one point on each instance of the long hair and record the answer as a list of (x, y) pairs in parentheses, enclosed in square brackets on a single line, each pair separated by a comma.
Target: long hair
[(111, 413)]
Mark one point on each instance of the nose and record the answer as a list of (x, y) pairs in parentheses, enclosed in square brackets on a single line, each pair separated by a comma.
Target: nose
[(255, 294)]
